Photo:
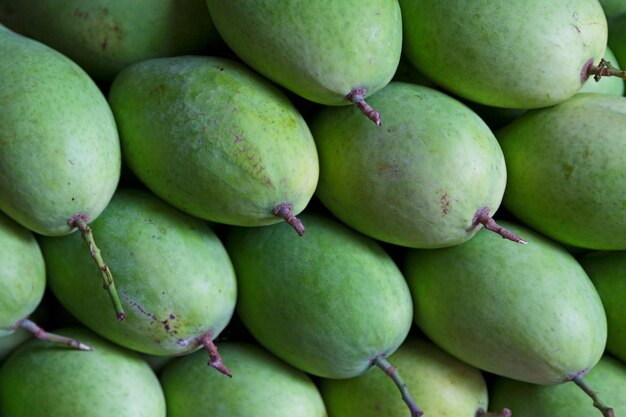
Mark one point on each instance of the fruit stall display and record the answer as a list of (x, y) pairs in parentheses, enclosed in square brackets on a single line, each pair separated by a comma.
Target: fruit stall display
[(326, 208)]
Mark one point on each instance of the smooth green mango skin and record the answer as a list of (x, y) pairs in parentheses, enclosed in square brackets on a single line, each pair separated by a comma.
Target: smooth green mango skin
[(59, 147), (104, 36), (22, 274), (567, 171), (42, 380), (418, 180), (319, 50), (524, 54), (172, 273), (607, 85), (327, 303), (607, 271), (440, 385), (525, 312), (607, 378), (262, 385), (214, 139)]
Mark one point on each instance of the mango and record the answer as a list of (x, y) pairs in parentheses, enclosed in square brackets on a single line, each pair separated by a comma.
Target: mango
[(176, 281), (215, 140)]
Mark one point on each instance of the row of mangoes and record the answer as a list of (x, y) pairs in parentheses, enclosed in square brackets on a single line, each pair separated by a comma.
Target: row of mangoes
[(395, 236)]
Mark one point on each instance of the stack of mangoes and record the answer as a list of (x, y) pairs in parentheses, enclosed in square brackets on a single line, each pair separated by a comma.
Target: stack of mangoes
[(312, 208)]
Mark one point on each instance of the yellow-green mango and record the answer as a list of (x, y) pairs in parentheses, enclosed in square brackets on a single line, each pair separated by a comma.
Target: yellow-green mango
[(525, 312), (214, 139), (262, 385), (512, 54), (441, 384), (320, 50), (173, 275), (329, 303), (59, 147), (22, 274), (566, 169), (43, 380), (104, 36), (418, 180)]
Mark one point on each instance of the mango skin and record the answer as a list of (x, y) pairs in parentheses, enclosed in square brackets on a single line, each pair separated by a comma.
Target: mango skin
[(22, 274), (607, 378), (214, 139), (418, 180), (42, 380), (104, 36), (172, 274), (319, 50), (607, 270), (59, 147), (440, 385), (575, 153), (327, 303), (261, 384), (526, 312), (522, 55)]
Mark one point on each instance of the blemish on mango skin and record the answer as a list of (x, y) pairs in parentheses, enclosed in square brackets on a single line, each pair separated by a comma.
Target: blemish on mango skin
[(445, 203), (568, 169)]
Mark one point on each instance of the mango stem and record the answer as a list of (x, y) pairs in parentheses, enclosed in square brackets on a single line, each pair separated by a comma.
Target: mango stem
[(482, 217), (357, 96), (392, 372), (215, 359), (285, 210), (605, 69), (597, 402), (41, 334), (79, 221)]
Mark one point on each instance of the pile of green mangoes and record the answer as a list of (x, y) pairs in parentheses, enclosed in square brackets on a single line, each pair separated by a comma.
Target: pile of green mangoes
[(312, 208)]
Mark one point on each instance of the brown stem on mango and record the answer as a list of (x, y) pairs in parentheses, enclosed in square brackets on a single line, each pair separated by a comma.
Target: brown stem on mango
[(41, 334), (482, 217), (504, 413), (80, 222), (597, 403), (604, 69), (285, 210), (357, 96), (392, 373), (215, 360)]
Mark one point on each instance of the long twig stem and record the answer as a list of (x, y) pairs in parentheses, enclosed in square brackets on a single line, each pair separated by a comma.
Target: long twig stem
[(482, 217), (597, 402), (392, 373), (41, 334), (79, 221), (215, 359)]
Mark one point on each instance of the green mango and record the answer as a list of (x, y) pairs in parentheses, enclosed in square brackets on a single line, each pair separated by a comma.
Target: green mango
[(59, 147), (175, 279), (419, 180), (321, 50), (521, 54), (611, 85), (608, 378), (104, 36), (262, 386), (526, 312), (22, 274), (440, 383), (607, 271), (214, 139), (575, 154), (328, 304), (42, 380)]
